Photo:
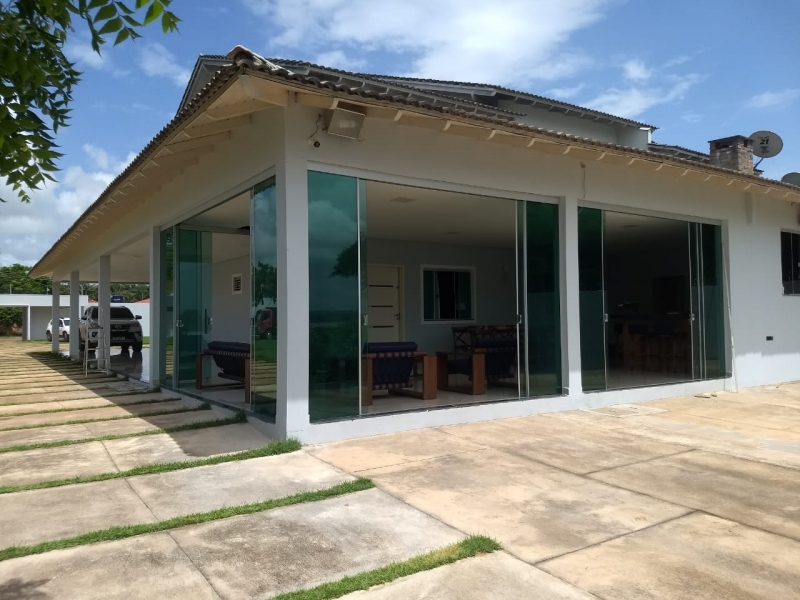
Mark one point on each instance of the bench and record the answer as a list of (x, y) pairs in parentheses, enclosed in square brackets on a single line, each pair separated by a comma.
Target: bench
[(232, 360), (390, 366)]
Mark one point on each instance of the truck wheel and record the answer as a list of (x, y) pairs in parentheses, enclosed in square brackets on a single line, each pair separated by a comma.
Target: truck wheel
[(49, 336), (137, 347)]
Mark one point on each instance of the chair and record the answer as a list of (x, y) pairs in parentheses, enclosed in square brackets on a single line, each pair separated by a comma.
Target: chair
[(233, 361), (390, 365), (490, 359)]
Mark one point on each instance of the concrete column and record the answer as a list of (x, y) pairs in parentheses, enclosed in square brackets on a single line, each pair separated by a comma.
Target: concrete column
[(74, 314), (570, 297), (56, 313), (26, 323), (104, 297), (156, 347), (292, 233)]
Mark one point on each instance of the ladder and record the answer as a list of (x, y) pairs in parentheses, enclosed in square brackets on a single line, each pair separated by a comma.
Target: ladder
[(102, 352)]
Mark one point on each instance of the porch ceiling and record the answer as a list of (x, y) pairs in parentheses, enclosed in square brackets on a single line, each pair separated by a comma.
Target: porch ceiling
[(252, 85)]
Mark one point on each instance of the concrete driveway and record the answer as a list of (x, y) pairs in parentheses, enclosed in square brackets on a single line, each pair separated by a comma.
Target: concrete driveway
[(687, 498)]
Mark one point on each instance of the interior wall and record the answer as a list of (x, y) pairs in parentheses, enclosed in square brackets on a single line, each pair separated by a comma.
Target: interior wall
[(495, 279), (231, 312)]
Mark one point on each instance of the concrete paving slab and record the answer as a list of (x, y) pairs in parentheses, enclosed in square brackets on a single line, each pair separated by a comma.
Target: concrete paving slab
[(770, 416), (92, 413), (128, 426), (48, 382), (44, 434), (386, 450), (764, 496), (496, 576), (261, 555), (697, 556), (184, 492), (51, 514), (14, 409), (535, 511), (46, 464), (44, 389), (575, 448), (59, 396), (150, 567), (50, 377), (184, 445)]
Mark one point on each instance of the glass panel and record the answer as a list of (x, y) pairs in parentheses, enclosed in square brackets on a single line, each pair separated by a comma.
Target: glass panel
[(334, 296), (592, 299), (713, 294), (264, 301), (543, 340), (464, 295), (194, 301), (796, 263), (522, 296), (167, 306), (787, 263), (429, 285)]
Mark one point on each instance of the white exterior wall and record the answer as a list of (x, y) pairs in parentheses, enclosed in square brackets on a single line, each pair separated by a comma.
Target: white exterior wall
[(231, 312), (416, 156)]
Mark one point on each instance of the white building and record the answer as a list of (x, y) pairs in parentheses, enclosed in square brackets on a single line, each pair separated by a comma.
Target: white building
[(37, 311), (525, 254)]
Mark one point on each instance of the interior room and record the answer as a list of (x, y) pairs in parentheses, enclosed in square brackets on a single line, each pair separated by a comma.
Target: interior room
[(441, 279)]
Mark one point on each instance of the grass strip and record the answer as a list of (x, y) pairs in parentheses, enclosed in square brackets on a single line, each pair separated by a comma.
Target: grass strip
[(239, 417), (271, 449), (59, 410), (172, 411), (467, 548), (109, 394), (126, 531)]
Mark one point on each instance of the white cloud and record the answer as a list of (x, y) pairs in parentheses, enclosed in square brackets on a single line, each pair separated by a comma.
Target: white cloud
[(692, 117), (634, 101), (156, 61), (636, 70), (566, 92), (81, 52), (677, 61), (774, 99), (339, 60), (511, 42), (27, 231)]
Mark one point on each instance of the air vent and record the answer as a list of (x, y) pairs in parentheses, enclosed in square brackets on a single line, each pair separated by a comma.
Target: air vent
[(236, 283)]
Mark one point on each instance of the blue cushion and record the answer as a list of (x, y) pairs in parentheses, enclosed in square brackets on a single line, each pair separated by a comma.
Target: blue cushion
[(228, 357), (391, 371)]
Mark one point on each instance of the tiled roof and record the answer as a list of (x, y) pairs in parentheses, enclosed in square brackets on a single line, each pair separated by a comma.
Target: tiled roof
[(245, 63), (534, 97)]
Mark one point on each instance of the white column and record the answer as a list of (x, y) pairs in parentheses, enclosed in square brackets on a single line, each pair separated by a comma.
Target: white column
[(104, 297), (56, 313), (292, 234), (155, 307), (74, 313), (26, 323), (570, 297)]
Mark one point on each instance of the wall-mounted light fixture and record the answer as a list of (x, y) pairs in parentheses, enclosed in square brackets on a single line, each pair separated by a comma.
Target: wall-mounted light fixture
[(345, 123)]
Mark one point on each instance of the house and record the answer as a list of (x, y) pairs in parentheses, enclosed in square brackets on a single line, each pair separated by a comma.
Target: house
[(343, 255), (37, 310)]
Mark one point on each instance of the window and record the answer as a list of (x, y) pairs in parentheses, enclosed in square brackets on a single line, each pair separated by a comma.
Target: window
[(790, 263), (448, 294)]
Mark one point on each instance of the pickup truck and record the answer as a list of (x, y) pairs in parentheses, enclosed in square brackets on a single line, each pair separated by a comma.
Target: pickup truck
[(126, 331)]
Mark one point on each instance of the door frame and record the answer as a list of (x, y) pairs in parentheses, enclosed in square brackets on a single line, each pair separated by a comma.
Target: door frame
[(401, 304)]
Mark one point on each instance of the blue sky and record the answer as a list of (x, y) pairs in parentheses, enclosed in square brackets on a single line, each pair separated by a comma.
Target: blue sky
[(698, 70)]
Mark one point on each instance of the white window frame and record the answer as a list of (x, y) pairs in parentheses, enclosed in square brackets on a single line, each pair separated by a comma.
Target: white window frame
[(473, 293)]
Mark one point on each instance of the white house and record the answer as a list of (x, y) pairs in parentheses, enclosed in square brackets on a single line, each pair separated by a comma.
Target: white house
[(37, 311), (355, 254)]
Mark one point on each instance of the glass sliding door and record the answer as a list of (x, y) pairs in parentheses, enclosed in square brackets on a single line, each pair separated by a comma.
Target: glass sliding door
[(264, 300), (335, 290), (167, 333), (193, 310), (540, 294), (592, 299), (651, 300)]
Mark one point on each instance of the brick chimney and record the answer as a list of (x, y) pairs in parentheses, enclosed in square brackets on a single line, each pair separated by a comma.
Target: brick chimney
[(734, 153)]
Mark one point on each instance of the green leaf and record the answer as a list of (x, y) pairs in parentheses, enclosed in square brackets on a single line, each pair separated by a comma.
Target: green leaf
[(122, 36), (96, 4), (111, 26), (141, 3), (109, 11), (153, 12)]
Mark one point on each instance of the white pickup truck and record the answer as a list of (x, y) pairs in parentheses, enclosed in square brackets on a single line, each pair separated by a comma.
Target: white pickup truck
[(126, 331)]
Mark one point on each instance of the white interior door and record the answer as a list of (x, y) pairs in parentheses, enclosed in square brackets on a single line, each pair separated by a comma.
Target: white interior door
[(383, 297)]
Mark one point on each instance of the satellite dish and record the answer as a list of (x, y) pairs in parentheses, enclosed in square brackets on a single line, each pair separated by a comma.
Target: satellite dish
[(792, 178), (766, 144)]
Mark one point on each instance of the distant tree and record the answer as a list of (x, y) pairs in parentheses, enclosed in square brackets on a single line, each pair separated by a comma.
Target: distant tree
[(36, 79), (14, 280)]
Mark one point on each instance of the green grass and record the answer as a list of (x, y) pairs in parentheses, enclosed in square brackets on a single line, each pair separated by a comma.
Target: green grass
[(471, 546), (203, 406), (271, 449), (122, 532), (239, 417)]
